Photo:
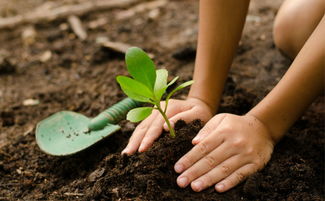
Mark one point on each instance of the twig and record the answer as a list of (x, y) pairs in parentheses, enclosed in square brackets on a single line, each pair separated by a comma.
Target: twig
[(49, 14), (116, 46), (9, 184), (73, 194), (76, 27)]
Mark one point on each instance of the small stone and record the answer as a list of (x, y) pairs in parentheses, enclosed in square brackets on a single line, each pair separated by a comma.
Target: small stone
[(19, 170), (47, 55), (154, 14), (115, 191), (29, 130), (29, 35), (30, 102), (64, 26), (96, 174)]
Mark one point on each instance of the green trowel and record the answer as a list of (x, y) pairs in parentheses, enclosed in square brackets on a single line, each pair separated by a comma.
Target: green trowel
[(66, 132)]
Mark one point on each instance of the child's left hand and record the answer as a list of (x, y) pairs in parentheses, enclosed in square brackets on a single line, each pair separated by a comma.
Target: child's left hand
[(227, 150)]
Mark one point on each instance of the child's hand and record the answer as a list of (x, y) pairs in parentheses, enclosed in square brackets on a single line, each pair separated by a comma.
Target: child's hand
[(227, 150), (150, 129)]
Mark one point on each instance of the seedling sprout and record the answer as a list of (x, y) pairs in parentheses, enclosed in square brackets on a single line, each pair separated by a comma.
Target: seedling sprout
[(147, 85)]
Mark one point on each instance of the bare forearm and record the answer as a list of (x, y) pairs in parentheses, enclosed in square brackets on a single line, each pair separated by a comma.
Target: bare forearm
[(220, 27), (303, 82)]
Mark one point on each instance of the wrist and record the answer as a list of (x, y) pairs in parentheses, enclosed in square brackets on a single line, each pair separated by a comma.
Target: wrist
[(265, 127), (212, 107), (274, 130)]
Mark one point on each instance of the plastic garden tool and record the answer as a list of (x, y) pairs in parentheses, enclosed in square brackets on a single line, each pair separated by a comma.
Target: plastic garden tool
[(66, 132)]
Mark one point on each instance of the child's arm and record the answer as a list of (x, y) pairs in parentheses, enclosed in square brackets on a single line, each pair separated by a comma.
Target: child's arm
[(221, 23), (220, 28), (303, 82), (231, 147)]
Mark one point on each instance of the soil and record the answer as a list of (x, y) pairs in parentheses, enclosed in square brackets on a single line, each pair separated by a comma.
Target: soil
[(80, 76)]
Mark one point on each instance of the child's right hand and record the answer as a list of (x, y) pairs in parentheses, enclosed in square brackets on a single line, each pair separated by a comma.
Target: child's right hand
[(150, 129)]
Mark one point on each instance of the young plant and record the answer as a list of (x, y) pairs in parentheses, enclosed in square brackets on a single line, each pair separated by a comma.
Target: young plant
[(148, 85)]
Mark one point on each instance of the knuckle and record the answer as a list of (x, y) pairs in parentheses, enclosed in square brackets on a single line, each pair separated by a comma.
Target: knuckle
[(258, 164), (227, 128), (225, 169), (210, 160), (142, 126), (239, 142), (250, 151), (203, 148), (239, 177), (186, 161), (208, 181), (208, 128)]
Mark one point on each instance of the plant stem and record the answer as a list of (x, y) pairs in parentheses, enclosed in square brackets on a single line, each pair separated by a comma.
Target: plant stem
[(171, 129)]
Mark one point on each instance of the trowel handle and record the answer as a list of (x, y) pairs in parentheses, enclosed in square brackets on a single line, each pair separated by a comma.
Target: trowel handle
[(113, 114)]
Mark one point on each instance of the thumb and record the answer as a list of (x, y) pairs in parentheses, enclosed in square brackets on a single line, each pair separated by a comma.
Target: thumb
[(187, 116)]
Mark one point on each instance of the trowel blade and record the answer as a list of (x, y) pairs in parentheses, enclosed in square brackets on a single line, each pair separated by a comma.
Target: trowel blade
[(66, 133)]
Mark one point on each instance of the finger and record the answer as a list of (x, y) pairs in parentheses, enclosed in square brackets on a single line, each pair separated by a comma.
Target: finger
[(153, 132), (205, 165), (187, 116), (155, 129), (220, 172), (210, 143), (208, 128), (139, 134), (236, 177)]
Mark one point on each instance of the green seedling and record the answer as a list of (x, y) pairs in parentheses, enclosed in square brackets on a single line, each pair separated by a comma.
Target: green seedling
[(148, 85)]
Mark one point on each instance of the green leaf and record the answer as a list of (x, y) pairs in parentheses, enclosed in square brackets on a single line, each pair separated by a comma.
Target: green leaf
[(185, 84), (138, 114), (141, 67), (173, 81), (134, 89), (161, 83)]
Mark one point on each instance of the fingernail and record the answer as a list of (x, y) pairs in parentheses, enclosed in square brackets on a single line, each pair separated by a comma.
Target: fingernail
[(182, 182), (197, 185), (196, 139), (220, 187), (178, 168), (125, 151), (141, 148)]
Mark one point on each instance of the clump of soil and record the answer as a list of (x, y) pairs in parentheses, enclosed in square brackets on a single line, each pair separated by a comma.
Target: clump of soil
[(149, 175)]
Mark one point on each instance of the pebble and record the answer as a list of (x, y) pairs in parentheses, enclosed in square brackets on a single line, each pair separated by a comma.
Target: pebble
[(96, 174), (30, 102)]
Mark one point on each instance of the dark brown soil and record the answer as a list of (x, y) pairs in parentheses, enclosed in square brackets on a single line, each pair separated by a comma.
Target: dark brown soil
[(80, 76)]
